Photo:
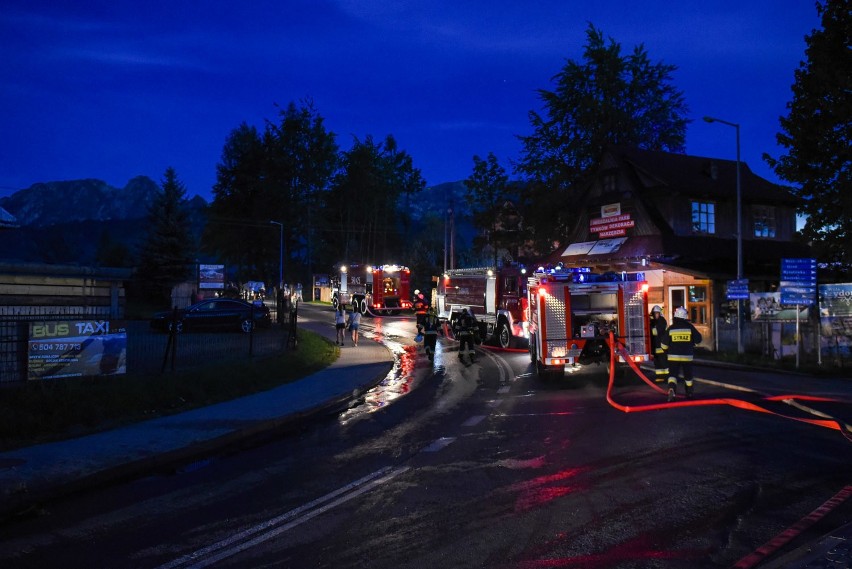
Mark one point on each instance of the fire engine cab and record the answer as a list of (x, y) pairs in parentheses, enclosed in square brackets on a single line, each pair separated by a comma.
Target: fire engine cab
[(495, 296), (372, 289), (571, 313)]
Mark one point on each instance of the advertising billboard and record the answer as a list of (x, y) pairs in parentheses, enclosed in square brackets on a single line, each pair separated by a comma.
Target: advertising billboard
[(835, 318), (211, 277), (76, 348)]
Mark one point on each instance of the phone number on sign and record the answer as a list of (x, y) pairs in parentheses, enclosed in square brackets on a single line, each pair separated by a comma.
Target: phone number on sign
[(57, 347)]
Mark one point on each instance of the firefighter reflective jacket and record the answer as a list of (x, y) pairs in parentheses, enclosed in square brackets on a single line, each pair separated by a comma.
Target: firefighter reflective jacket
[(680, 340), (658, 333)]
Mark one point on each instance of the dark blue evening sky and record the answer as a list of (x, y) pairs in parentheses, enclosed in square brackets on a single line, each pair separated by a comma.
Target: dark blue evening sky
[(113, 89)]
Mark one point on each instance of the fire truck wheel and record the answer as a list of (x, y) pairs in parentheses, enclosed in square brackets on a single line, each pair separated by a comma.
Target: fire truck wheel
[(504, 337)]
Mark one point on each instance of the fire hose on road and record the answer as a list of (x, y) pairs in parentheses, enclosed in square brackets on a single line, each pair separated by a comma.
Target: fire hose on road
[(618, 349)]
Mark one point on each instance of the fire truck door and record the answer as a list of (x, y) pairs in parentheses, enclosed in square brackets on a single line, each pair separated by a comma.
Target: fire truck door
[(491, 295)]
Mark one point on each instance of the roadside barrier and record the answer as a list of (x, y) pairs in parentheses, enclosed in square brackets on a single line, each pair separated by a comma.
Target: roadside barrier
[(826, 421)]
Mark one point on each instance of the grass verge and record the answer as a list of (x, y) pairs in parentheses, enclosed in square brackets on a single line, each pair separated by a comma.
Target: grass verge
[(44, 411)]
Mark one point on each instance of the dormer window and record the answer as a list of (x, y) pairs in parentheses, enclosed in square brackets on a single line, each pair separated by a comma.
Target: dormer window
[(609, 182), (704, 217)]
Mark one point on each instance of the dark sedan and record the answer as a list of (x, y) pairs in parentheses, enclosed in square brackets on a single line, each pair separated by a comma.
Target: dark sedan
[(214, 314)]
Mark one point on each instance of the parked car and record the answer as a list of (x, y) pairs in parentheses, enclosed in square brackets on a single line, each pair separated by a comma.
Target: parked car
[(214, 314)]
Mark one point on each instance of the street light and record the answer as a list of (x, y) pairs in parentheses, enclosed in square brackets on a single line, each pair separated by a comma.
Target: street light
[(739, 230), (280, 253)]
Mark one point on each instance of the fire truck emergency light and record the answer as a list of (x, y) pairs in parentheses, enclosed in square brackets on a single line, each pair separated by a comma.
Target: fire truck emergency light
[(645, 287)]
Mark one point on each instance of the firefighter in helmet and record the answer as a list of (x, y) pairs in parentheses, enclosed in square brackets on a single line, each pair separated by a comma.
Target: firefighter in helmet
[(679, 343), (421, 306), (431, 328), (658, 332), (464, 329)]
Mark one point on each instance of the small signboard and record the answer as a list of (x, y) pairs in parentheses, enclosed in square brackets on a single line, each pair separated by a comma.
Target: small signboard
[(76, 348), (798, 281), (737, 290)]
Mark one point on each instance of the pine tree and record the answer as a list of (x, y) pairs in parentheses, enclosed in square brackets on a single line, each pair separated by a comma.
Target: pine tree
[(168, 252), (608, 98)]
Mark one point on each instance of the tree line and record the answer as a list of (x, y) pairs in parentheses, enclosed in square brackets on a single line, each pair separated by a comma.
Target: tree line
[(358, 205)]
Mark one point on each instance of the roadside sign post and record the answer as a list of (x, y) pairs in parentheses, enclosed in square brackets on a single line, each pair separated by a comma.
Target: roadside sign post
[(738, 290), (799, 287)]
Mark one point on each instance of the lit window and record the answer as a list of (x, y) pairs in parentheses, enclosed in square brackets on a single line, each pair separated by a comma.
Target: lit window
[(764, 221), (703, 217)]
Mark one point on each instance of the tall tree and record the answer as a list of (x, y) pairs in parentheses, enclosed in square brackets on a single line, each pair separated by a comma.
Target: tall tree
[(369, 209), (607, 98), (487, 191), (238, 232), (817, 134), (302, 157), (168, 252), (281, 176)]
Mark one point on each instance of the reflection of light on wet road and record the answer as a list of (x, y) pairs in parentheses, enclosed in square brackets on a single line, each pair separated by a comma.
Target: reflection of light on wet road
[(399, 379)]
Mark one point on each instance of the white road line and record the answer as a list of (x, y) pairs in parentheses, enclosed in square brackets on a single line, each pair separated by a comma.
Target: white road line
[(264, 531), (473, 421), (439, 444)]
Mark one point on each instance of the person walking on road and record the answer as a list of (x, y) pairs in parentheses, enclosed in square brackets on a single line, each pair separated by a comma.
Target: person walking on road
[(679, 343), (354, 323), (658, 332), (431, 327), (421, 306), (464, 330), (340, 324)]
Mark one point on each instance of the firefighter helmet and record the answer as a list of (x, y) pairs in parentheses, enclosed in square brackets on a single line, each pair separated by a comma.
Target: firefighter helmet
[(680, 312), (657, 309)]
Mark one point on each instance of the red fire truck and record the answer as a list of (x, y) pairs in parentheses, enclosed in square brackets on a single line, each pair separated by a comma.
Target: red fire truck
[(495, 296), (571, 314), (372, 289)]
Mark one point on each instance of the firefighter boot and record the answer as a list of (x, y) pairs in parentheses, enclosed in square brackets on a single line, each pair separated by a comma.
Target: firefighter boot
[(689, 390), (672, 390)]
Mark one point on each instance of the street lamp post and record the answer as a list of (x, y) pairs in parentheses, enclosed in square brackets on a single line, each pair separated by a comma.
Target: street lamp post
[(280, 253), (739, 230)]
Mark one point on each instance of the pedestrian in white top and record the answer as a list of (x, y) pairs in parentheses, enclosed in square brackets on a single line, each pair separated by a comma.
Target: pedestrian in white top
[(354, 323), (340, 323)]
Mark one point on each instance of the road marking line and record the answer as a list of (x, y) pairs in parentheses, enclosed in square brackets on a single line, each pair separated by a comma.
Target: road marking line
[(473, 421), (264, 531), (503, 390), (439, 444)]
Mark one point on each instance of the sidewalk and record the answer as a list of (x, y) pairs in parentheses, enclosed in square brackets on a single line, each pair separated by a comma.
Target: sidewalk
[(34, 474)]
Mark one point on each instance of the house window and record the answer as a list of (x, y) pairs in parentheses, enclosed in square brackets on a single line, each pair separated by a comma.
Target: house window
[(609, 183), (764, 221), (703, 217), (698, 305)]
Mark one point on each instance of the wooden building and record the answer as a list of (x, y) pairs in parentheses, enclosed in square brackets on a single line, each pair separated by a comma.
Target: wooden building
[(674, 218)]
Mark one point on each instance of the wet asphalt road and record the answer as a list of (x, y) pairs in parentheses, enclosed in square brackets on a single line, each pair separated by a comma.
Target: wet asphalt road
[(455, 465)]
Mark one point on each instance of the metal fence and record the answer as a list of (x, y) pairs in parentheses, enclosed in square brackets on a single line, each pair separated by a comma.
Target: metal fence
[(777, 340), (150, 352)]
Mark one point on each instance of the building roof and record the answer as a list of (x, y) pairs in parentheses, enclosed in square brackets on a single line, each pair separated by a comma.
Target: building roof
[(657, 176), (700, 176)]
